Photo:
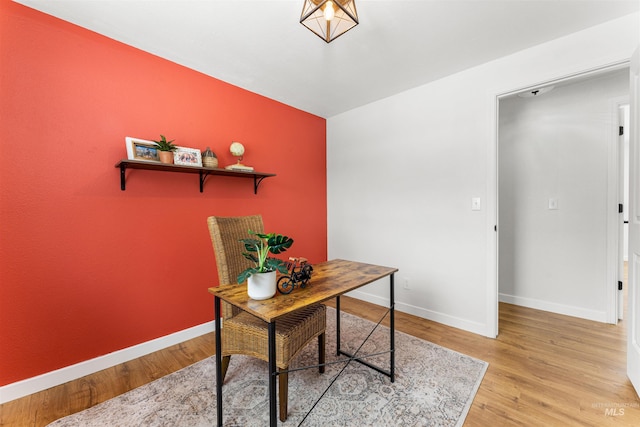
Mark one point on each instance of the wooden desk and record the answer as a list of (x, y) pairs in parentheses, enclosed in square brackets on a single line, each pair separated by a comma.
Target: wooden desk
[(329, 280)]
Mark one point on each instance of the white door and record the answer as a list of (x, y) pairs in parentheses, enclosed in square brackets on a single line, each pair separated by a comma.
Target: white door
[(633, 327)]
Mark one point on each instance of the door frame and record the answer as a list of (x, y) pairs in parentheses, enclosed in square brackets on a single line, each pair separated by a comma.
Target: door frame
[(623, 116), (493, 220), (615, 188)]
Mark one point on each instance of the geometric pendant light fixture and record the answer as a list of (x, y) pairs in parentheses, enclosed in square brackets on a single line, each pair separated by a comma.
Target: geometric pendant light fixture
[(329, 19)]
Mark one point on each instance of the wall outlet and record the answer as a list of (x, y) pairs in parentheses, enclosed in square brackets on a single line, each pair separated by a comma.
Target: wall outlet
[(405, 285)]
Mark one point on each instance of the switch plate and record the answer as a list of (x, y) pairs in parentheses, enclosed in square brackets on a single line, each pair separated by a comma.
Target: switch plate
[(475, 203), (553, 203)]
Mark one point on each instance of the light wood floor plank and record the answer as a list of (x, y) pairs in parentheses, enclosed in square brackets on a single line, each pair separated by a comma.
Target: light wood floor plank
[(545, 370)]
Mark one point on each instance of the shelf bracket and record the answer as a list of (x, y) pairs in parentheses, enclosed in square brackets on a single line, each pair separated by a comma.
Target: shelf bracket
[(203, 176), (123, 168), (256, 183)]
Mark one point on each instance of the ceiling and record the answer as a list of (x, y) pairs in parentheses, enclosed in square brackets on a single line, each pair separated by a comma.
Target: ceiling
[(260, 45)]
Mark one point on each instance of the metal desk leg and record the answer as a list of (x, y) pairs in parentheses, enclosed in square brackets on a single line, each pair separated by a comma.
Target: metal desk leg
[(273, 422), (392, 329), (216, 302), (338, 325)]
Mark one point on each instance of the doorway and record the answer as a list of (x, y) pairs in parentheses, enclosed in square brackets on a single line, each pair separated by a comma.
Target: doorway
[(557, 205)]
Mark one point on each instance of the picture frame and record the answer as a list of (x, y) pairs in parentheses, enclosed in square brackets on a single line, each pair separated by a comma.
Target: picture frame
[(184, 156), (142, 150)]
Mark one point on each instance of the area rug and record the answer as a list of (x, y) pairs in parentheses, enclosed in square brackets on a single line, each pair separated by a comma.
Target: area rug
[(434, 386)]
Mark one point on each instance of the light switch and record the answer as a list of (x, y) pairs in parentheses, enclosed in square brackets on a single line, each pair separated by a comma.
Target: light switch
[(475, 203), (553, 203)]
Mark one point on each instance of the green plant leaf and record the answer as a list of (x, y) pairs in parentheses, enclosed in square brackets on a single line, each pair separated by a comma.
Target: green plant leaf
[(261, 235), (251, 257), (242, 277), (164, 145), (274, 264), (250, 244), (279, 243)]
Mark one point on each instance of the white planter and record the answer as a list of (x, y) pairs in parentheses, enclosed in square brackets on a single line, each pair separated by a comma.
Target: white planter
[(261, 285)]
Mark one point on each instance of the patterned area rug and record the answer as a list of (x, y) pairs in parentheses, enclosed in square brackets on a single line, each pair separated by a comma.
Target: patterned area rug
[(434, 386)]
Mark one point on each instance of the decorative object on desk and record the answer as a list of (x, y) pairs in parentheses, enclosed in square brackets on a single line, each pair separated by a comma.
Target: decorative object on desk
[(166, 149), (140, 149), (258, 251), (329, 19), (261, 286), (209, 158), (293, 277), (434, 386), (237, 150), (187, 157)]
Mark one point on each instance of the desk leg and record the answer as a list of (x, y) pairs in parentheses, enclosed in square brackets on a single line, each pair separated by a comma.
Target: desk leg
[(273, 422), (338, 325), (216, 302), (392, 329)]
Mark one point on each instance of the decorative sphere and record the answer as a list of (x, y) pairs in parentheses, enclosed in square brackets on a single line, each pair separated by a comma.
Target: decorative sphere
[(236, 149)]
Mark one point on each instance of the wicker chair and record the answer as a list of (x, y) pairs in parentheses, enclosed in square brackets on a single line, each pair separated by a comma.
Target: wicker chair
[(243, 333)]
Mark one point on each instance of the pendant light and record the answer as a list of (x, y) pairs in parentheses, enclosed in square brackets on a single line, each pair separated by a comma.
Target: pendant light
[(329, 19)]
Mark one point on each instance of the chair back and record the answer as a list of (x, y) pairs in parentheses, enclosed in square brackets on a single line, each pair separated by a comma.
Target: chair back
[(226, 233)]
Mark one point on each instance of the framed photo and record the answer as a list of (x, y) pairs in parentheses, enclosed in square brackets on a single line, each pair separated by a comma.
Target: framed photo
[(187, 157), (140, 149)]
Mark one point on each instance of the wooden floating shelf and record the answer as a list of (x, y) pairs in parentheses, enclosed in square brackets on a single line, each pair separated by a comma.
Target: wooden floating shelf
[(202, 171)]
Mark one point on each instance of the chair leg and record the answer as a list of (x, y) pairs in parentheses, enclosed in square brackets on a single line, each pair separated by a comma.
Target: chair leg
[(321, 352), (283, 382), (225, 365)]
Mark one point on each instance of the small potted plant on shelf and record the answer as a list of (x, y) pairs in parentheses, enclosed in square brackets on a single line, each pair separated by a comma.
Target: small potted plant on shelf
[(166, 149), (261, 279)]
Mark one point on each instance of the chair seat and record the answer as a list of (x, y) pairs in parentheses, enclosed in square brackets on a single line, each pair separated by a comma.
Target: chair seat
[(247, 334)]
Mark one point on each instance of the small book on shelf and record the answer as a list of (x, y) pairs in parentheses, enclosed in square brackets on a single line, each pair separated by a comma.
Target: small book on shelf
[(239, 167)]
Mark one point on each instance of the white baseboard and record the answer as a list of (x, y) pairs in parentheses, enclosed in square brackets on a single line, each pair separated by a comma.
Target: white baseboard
[(445, 319), (32, 385), (567, 310)]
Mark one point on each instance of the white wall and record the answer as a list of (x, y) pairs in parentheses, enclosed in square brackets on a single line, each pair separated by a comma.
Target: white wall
[(557, 146), (402, 172)]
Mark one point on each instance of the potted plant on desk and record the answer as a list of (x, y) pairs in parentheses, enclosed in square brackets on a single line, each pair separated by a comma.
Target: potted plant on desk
[(166, 149), (261, 279)]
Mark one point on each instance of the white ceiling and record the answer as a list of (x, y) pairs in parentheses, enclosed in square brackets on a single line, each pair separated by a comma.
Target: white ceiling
[(260, 45)]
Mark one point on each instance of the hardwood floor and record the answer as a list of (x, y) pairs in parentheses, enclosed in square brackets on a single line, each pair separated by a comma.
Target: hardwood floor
[(41, 408), (544, 369)]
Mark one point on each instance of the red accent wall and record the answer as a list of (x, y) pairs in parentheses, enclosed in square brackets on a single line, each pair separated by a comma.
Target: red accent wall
[(87, 269)]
